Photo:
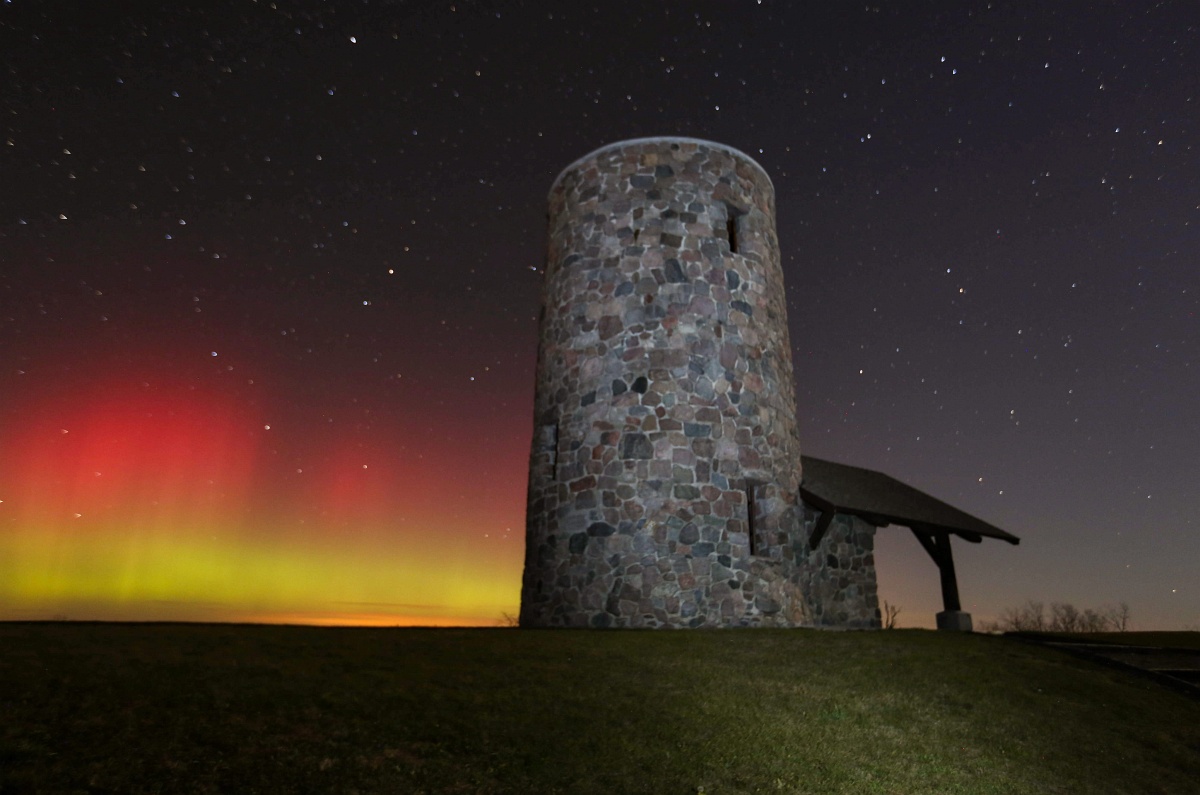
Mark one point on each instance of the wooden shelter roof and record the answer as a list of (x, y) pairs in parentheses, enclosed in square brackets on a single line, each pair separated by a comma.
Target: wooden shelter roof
[(883, 500)]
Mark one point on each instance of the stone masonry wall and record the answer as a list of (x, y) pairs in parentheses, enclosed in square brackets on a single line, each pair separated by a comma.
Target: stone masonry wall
[(665, 463), (841, 587)]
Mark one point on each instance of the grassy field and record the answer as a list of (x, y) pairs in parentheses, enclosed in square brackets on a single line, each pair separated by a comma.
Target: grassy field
[(113, 708)]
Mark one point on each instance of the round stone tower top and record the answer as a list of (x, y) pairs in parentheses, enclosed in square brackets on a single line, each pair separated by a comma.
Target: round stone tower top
[(665, 140)]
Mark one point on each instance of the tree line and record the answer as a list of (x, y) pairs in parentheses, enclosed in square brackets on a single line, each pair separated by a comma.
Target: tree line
[(1061, 617)]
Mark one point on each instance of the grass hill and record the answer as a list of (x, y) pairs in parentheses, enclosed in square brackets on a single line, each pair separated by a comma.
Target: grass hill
[(176, 708)]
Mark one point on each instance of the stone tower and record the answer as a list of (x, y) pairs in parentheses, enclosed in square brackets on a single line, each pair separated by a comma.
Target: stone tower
[(665, 464)]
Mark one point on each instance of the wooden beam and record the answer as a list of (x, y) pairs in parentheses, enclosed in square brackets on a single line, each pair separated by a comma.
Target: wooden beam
[(928, 543), (819, 531), (827, 510), (949, 580), (937, 544)]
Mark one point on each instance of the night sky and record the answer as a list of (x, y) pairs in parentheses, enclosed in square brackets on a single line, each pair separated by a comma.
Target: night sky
[(270, 276)]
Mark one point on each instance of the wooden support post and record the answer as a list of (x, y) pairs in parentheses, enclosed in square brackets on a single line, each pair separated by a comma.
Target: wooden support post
[(949, 580), (937, 544)]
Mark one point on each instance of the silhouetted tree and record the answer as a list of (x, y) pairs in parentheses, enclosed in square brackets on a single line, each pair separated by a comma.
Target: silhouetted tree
[(1029, 617), (1118, 616), (1063, 617)]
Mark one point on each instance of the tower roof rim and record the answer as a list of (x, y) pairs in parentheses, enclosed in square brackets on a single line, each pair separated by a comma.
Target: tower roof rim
[(661, 139)]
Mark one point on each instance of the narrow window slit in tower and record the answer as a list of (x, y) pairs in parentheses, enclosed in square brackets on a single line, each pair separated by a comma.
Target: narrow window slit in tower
[(547, 443), (751, 511), (733, 227)]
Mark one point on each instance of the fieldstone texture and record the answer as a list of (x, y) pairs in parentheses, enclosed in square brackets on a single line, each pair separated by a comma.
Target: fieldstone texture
[(665, 465), (841, 587)]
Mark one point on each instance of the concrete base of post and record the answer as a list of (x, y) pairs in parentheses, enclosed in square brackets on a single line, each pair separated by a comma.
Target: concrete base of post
[(954, 621)]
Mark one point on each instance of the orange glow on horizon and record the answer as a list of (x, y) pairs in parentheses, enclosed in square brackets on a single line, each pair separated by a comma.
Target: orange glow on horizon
[(370, 620)]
